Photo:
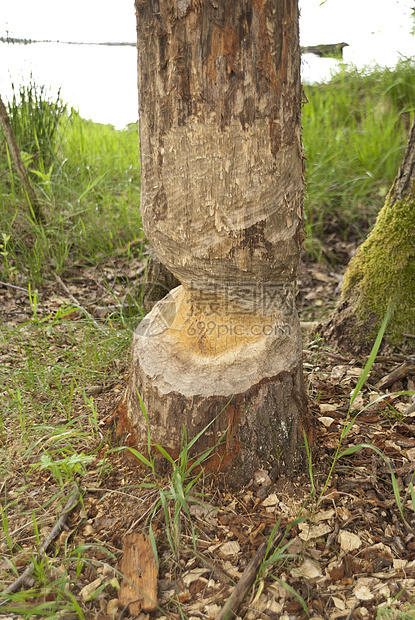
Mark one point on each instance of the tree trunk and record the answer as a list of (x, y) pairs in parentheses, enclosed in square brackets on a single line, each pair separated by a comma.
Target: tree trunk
[(31, 199), (381, 272), (222, 193)]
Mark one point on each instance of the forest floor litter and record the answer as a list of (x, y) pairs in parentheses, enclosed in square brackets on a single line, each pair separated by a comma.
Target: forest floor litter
[(342, 538)]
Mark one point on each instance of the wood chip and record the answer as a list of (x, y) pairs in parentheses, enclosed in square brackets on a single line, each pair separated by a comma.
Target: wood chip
[(338, 372), (308, 569), (349, 541), (229, 549), (326, 420), (261, 479), (90, 589), (138, 565), (339, 603), (112, 606), (327, 407), (362, 593), (313, 531), (271, 500), (194, 575), (325, 515), (358, 403)]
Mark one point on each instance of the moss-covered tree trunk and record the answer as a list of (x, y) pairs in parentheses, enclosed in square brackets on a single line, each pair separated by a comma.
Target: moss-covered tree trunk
[(382, 271), (222, 192)]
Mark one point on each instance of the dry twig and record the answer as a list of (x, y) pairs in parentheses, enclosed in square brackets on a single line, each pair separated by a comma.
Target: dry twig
[(244, 584), (69, 506), (75, 301), (398, 374)]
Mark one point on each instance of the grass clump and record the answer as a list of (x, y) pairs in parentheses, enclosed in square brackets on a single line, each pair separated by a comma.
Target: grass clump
[(87, 177), (35, 119)]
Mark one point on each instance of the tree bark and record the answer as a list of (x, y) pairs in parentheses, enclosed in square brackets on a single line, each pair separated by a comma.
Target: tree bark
[(382, 272), (222, 194), (31, 199), (159, 281)]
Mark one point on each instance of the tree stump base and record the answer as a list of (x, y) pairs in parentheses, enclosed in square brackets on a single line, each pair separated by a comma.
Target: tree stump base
[(235, 377)]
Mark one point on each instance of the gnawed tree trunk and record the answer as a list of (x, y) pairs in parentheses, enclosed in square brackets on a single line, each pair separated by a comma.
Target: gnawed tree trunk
[(381, 272), (222, 193), (159, 281), (31, 199)]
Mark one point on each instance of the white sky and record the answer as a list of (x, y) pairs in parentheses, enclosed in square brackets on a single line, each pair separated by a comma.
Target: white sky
[(101, 83), (376, 30), (74, 20), (358, 22)]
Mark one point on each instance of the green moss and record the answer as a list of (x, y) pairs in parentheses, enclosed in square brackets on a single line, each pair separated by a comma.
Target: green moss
[(383, 270)]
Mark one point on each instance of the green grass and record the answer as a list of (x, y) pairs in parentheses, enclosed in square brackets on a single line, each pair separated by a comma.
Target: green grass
[(87, 176), (88, 179), (354, 132)]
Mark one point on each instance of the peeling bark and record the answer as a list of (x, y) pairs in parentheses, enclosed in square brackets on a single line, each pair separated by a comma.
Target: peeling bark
[(222, 195)]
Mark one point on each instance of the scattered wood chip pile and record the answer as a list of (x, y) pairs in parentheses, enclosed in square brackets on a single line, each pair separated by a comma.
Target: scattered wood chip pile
[(342, 539)]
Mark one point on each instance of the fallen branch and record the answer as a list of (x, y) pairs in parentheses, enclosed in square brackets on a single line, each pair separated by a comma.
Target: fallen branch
[(76, 302), (18, 288), (56, 530), (244, 584), (398, 374)]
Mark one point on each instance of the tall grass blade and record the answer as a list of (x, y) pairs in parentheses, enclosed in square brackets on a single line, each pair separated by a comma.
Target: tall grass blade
[(373, 353)]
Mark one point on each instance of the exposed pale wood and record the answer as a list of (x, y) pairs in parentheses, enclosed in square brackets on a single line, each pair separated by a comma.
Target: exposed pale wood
[(138, 565)]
